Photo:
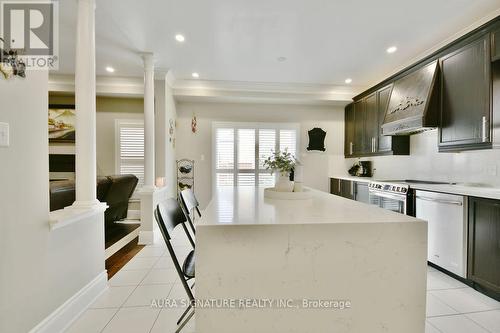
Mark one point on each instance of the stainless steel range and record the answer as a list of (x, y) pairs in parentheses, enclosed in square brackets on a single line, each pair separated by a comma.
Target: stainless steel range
[(392, 195)]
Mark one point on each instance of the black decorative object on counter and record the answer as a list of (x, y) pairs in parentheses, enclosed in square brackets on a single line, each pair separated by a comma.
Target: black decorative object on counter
[(316, 139), (361, 169)]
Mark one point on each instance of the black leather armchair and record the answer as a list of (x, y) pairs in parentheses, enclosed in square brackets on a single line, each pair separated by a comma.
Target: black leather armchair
[(114, 190), (121, 189)]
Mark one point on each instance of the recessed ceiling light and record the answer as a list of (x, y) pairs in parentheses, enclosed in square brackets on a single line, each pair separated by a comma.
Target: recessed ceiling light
[(348, 80), (392, 49), (281, 59), (195, 75), (110, 69), (180, 38)]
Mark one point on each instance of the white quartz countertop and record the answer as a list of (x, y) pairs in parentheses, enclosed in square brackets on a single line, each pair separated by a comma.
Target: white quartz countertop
[(479, 190), (247, 206)]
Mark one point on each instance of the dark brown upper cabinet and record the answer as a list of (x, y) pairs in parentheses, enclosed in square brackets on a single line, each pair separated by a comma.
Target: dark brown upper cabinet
[(363, 135), (466, 96), (384, 142), (465, 108), (389, 145), (359, 127), (371, 123), (349, 131), (495, 45), (484, 244)]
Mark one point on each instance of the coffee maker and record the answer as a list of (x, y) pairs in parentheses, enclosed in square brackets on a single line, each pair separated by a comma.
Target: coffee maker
[(361, 169)]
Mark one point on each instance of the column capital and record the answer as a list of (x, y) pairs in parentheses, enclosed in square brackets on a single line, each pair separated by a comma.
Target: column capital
[(148, 59), (89, 2)]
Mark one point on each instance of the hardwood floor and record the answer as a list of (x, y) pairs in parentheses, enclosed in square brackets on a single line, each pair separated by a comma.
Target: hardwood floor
[(122, 257)]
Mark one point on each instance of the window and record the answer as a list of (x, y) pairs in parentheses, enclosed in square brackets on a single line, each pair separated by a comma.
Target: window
[(130, 148), (240, 150)]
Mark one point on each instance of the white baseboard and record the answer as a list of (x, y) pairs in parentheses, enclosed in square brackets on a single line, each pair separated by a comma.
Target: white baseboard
[(146, 237), (69, 311)]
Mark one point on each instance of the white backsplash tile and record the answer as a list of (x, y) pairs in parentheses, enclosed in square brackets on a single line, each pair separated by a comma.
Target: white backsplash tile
[(426, 163)]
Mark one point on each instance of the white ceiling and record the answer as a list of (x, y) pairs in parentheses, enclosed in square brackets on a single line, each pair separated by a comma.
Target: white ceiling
[(324, 41)]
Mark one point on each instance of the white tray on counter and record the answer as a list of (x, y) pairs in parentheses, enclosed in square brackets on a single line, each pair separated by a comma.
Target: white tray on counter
[(271, 193)]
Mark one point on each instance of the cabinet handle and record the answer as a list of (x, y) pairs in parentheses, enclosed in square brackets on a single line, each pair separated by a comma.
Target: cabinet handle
[(441, 201), (350, 148), (485, 130), (340, 191)]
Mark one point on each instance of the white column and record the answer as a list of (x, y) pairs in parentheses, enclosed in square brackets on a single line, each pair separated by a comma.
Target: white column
[(149, 194), (149, 121), (85, 95)]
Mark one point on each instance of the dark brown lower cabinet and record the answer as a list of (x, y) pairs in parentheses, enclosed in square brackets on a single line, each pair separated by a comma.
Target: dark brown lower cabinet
[(347, 187), (484, 245), (342, 187), (335, 186)]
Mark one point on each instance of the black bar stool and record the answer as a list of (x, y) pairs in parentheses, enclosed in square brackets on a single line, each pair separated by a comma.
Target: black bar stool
[(191, 205), (169, 215)]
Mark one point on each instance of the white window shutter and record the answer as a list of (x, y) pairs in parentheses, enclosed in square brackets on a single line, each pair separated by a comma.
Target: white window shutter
[(267, 144), (131, 149), (224, 148), (246, 149), (240, 150), (288, 140)]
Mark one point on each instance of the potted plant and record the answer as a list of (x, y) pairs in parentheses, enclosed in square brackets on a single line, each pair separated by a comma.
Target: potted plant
[(282, 162)]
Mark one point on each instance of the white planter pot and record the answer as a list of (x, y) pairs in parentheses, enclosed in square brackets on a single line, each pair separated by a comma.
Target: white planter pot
[(284, 184)]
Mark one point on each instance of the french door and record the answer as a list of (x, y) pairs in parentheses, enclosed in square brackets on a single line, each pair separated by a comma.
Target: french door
[(240, 150)]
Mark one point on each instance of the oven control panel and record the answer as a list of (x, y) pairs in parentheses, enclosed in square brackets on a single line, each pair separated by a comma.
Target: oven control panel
[(389, 187)]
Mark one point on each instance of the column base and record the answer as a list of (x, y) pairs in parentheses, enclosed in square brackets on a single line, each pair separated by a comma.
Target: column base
[(146, 237), (150, 196), (87, 204)]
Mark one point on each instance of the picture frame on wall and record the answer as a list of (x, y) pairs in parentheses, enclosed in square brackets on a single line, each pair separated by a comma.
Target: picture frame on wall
[(62, 122)]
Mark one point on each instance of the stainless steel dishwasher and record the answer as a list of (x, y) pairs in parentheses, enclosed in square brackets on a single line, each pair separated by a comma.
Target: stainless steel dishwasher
[(446, 215)]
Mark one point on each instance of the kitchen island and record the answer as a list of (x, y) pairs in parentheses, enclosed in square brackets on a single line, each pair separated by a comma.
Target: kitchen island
[(325, 264)]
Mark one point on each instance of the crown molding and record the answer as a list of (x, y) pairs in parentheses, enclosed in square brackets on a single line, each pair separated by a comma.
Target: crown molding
[(132, 87), (217, 91), (263, 92)]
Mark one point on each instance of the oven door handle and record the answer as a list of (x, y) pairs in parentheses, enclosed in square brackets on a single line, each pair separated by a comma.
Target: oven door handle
[(388, 195)]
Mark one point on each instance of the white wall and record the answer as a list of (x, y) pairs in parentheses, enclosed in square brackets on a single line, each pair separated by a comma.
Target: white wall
[(194, 146), (108, 110), (165, 111), (424, 162), (39, 269)]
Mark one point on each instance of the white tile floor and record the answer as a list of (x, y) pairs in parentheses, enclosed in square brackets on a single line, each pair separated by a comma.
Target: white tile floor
[(452, 307)]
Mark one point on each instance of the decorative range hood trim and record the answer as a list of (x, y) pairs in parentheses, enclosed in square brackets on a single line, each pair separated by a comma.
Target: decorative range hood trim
[(408, 111)]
